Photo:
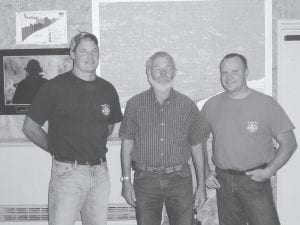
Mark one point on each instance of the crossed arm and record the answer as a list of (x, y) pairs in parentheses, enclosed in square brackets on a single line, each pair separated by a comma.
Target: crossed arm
[(287, 145)]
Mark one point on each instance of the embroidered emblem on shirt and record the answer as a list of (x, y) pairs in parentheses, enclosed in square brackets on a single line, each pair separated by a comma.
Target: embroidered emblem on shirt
[(252, 126), (105, 109)]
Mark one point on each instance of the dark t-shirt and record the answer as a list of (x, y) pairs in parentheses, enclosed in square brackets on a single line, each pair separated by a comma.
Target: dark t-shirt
[(78, 114)]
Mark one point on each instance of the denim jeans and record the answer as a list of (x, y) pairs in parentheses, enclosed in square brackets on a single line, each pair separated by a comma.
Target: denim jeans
[(78, 188), (175, 189), (241, 199)]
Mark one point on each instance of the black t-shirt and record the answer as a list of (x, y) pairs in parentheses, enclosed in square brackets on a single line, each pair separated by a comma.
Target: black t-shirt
[(78, 114)]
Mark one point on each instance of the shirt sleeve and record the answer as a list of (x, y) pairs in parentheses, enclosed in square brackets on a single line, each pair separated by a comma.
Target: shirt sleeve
[(43, 104), (279, 121), (205, 114), (198, 127), (128, 126), (116, 113)]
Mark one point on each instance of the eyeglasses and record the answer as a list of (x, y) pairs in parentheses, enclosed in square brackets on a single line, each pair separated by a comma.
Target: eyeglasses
[(160, 69)]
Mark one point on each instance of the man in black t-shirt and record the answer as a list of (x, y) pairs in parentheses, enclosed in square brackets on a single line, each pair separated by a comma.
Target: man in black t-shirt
[(81, 109)]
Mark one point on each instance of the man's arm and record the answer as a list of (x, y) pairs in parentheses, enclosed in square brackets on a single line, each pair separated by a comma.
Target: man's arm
[(206, 160), (127, 188), (113, 131), (287, 145), (110, 129), (211, 180), (35, 133), (199, 165)]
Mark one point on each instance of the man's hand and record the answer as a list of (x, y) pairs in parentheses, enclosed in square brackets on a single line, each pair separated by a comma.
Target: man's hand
[(212, 182), (128, 193), (199, 198), (260, 174)]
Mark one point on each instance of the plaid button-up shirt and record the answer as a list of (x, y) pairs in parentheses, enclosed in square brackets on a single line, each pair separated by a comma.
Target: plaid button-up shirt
[(162, 134)]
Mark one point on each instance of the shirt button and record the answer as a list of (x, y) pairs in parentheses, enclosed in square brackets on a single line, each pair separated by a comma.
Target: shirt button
[(162, 110), (162, 154), (162, 124), (161, 139)]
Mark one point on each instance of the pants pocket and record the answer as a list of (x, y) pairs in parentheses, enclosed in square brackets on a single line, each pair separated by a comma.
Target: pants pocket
[(138, 174), (62, 169), (185, 171)]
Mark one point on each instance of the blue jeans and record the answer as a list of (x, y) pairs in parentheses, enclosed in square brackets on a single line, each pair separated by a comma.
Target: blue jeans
[(242, 200), (78, 188), (175, 189)]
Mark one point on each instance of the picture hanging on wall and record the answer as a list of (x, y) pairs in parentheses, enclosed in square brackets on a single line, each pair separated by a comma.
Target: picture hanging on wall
[(24, 71)]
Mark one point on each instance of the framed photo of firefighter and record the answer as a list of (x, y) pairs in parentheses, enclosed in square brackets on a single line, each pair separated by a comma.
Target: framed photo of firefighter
[(24, 71)]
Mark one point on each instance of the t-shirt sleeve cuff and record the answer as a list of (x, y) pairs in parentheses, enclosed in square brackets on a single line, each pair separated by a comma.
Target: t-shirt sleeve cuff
[(38, 121), (291, 128)]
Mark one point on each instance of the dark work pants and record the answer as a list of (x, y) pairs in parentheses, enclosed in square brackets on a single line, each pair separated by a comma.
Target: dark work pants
[(241, 199), (175, 189)]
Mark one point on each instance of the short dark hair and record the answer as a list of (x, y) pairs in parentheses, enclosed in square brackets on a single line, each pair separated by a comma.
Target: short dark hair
[(232, 55), (82, 35), (149, 62)]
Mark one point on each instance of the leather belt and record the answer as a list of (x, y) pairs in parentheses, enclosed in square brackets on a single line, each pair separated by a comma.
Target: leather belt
[(93, 162), (238, 172), (161, 169)]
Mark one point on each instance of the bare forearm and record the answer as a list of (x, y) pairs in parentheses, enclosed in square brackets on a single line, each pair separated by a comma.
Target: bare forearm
[(199, 165), (126, 148), (287, 146), (282, 155), (110, 129), (35, 134), (206, 159)]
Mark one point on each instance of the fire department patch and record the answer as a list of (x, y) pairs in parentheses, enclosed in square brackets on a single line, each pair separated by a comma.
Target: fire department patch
[(105, 108), (252, 126)]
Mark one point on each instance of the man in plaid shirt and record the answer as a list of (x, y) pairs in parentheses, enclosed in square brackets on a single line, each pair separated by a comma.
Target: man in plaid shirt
[(161, 130)]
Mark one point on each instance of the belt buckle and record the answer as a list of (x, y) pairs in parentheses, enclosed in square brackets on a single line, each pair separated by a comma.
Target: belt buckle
[(162, 169), (173, 168), (154, 169), (170, 169)]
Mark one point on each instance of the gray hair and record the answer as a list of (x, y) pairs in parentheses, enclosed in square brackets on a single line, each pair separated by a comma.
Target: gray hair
[(149, 62)]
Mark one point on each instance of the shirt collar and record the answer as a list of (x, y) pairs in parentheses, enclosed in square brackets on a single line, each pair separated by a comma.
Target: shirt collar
[(170, 98)]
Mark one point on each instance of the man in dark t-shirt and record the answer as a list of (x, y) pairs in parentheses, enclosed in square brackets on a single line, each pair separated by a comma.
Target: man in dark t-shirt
[(81, 109)]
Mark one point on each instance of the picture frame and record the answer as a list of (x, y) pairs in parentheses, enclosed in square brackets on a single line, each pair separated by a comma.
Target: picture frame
[(32, 67)]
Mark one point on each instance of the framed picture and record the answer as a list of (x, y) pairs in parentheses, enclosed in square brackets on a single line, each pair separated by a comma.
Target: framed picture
[(24, 71)]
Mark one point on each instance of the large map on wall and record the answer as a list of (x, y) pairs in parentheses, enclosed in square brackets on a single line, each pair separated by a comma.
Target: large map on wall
[(197, 33)]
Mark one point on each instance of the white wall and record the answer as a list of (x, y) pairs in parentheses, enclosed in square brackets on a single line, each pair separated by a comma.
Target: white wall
[(289, 96), (25, 174)]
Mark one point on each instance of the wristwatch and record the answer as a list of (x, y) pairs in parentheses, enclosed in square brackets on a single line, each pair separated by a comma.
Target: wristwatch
[(125, 178)]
